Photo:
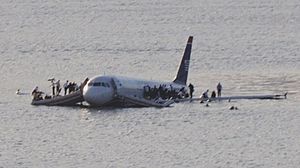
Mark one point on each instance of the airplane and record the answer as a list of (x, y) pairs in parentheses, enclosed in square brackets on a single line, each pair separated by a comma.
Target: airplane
[(125, 91), (119, 91)]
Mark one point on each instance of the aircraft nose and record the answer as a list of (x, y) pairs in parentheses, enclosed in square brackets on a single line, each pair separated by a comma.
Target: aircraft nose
[(96, 96), (89, 95)]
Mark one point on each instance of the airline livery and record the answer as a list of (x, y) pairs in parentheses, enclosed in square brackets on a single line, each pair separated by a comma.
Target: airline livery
[(129, 92), (124, 91)]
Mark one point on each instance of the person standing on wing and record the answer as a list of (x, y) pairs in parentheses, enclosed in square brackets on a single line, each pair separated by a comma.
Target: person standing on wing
[(52, 86), (219, 89), (191, 90), (58, 89), (66, 86)]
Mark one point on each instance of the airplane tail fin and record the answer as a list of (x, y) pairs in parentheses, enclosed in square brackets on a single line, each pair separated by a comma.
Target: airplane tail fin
[(183, 70)]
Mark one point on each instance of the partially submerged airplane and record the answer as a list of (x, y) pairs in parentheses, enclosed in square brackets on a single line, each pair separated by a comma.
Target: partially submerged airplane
[(124, 91), (129, 92)]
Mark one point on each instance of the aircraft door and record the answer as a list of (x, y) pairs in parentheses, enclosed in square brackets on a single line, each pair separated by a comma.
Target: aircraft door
[(114, 87)]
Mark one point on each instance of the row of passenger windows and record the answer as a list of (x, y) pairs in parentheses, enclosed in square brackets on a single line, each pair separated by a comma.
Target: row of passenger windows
[(99, 84)]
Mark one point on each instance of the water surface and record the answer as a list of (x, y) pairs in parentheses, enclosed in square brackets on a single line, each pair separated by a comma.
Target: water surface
[(251, 47)]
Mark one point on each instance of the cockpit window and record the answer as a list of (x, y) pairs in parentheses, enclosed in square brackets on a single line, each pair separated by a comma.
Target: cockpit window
[(99, 84)]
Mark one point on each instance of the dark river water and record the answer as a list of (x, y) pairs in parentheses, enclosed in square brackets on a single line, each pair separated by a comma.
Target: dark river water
[(250, 47)]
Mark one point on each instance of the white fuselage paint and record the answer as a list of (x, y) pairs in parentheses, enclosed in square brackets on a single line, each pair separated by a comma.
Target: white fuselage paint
[(101, 90)]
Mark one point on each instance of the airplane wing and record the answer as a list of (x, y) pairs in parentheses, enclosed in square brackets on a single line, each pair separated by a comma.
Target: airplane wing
[(145, 102)]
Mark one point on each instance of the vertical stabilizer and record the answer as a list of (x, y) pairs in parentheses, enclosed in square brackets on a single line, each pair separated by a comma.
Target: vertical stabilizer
[(183, 70)]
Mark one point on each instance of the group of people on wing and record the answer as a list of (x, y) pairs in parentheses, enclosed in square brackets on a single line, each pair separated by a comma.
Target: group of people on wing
[(213, 93), (69, 87), (164, 92), (205, 94)]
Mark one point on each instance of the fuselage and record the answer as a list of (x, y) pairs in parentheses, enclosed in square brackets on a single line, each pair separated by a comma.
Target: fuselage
[(103, 90)]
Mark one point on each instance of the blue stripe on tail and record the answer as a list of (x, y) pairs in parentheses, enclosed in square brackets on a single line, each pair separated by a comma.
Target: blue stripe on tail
[(183, 70)]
